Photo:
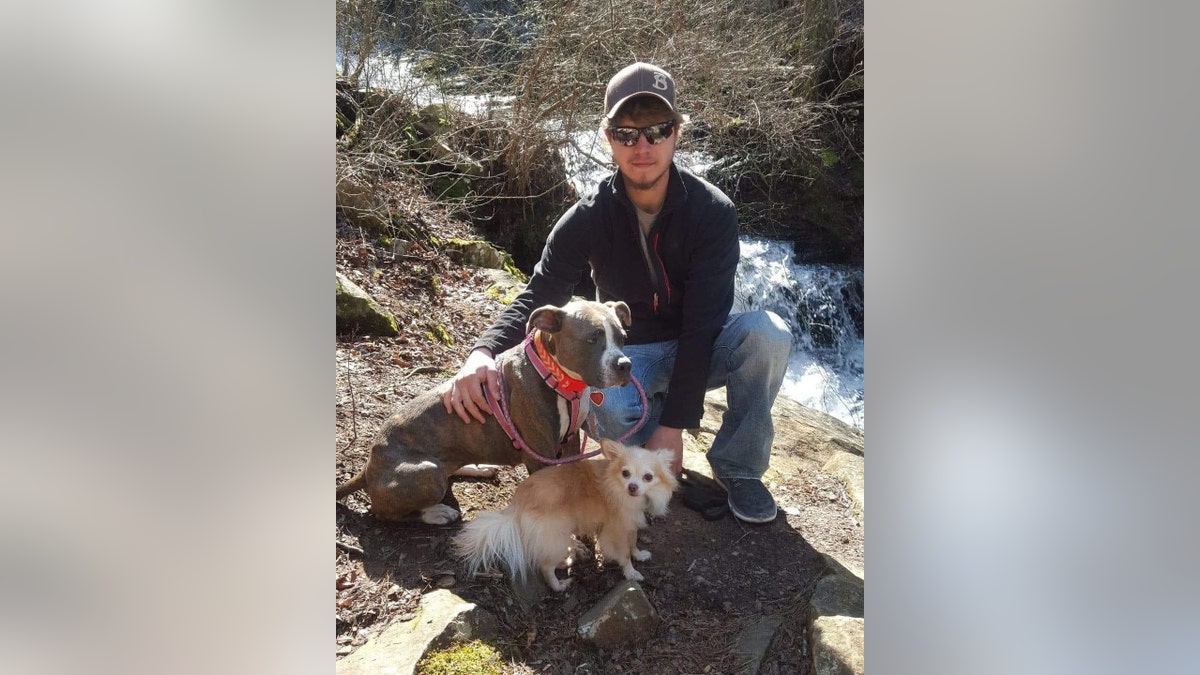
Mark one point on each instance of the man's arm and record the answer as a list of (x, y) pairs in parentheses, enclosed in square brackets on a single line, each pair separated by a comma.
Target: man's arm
[(708, 298)]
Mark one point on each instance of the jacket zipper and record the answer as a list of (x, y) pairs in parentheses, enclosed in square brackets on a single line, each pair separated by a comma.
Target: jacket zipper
[(663, 281)]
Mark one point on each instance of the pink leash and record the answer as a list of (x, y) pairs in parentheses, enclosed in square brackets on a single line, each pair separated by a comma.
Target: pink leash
[(502, 415)]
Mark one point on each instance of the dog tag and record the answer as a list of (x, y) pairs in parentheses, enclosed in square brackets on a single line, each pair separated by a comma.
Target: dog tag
[(597, 397)]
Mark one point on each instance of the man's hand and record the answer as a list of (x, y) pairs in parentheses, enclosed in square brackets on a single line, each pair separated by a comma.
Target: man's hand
[(671, 439), (463, 394)]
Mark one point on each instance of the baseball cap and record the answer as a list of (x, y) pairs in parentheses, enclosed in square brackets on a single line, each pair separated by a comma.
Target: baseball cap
[(635, 80)]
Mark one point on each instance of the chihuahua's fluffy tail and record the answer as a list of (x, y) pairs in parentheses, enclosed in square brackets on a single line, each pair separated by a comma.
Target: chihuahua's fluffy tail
[(492, 538)]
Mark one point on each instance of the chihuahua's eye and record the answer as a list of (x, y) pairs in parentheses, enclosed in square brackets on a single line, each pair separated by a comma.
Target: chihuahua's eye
[(648, 477), (624, 473)]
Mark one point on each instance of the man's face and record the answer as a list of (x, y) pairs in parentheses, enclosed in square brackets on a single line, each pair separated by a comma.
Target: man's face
[(643, 166)]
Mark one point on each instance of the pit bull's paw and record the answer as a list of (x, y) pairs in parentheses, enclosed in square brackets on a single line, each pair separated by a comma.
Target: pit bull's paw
[(478, 471), (439, 514), (640, 555), (632, 574)]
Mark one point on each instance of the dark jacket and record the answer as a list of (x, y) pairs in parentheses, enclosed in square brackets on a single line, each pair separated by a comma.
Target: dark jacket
[(693, 243)]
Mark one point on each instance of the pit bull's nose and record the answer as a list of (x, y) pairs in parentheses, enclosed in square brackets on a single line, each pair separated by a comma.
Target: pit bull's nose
[(624, 365)]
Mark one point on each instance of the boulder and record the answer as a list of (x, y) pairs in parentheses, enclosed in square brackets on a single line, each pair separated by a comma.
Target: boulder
[(838, 644), (624, 616), (752, 643), (836, 625), (360, 203), (442, 619), (848, 468), (809, 437), (357, 312)]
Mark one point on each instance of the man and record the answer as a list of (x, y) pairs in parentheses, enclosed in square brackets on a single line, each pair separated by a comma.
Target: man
[(665, 242)]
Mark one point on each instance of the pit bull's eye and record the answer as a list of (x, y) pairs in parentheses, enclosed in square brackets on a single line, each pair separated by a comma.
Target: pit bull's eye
[(595, 337), (648, 477), (624, 473)]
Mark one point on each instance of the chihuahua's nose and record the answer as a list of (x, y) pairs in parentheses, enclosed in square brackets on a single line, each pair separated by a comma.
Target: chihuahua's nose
[(633, 489)]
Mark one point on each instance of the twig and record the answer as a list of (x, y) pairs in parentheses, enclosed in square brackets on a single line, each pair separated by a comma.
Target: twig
[(348, 548), (353, 412), (585, 153)]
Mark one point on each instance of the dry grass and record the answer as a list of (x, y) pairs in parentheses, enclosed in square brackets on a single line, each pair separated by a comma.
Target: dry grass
[(774, 87)]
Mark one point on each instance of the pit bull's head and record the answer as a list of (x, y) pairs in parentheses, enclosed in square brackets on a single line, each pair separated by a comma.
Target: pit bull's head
[(586, 338)]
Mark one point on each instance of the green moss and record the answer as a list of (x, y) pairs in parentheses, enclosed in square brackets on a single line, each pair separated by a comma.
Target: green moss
[(472, 658), (828, 158), (505, 296), (511, 268), (438, 333)]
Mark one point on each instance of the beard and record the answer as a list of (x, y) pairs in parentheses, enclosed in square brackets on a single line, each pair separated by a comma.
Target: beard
[(642, 184)]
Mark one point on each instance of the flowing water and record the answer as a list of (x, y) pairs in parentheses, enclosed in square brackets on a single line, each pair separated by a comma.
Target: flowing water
[(823, 306)]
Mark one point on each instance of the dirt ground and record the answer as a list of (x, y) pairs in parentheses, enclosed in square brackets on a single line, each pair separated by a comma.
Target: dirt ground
[(707, 579)]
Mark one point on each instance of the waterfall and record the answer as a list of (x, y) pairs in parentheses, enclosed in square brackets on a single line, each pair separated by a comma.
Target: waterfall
[(823, 307)]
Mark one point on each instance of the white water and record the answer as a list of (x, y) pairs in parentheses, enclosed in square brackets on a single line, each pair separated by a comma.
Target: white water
[(822, 304), (397, 75)]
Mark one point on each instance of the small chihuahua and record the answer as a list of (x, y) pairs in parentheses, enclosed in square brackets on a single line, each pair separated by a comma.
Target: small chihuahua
[(608, 498)]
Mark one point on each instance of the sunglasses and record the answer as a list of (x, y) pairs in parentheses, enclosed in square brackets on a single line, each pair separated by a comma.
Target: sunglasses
[(655, 134)]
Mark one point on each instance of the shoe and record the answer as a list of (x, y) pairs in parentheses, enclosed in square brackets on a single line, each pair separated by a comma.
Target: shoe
[(749, 499)]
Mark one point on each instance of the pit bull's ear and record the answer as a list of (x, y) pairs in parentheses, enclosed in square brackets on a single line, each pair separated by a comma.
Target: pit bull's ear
[(547, 318), (622, 311), (611, 449)]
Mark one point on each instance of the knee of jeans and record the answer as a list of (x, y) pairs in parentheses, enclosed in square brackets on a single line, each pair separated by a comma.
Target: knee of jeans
[(614, 419), (770, 333)]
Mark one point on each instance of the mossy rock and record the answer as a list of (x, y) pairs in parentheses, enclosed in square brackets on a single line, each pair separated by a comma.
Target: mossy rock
[(357, 312), (482, 254), (504, 286), (475, 252), (438, 333)]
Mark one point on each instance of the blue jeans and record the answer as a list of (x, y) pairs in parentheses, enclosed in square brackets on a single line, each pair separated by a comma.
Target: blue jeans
[(749, 358)]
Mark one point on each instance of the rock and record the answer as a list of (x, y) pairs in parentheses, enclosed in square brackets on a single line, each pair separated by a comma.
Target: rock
[(361, 204), (504, 287), (836, 595), (837, 645), (622, 617), (443, 619), (848, 468), (835, 621), (808, 436), (357, 312), (752, 643), (529, 591), (478, 253)]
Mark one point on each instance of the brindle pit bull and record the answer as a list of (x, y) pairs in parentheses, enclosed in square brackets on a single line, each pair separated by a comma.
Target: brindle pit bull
[(420, 446)]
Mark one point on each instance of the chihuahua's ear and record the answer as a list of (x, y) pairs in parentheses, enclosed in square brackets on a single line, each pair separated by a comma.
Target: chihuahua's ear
[(664, 455), (612, 450)]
